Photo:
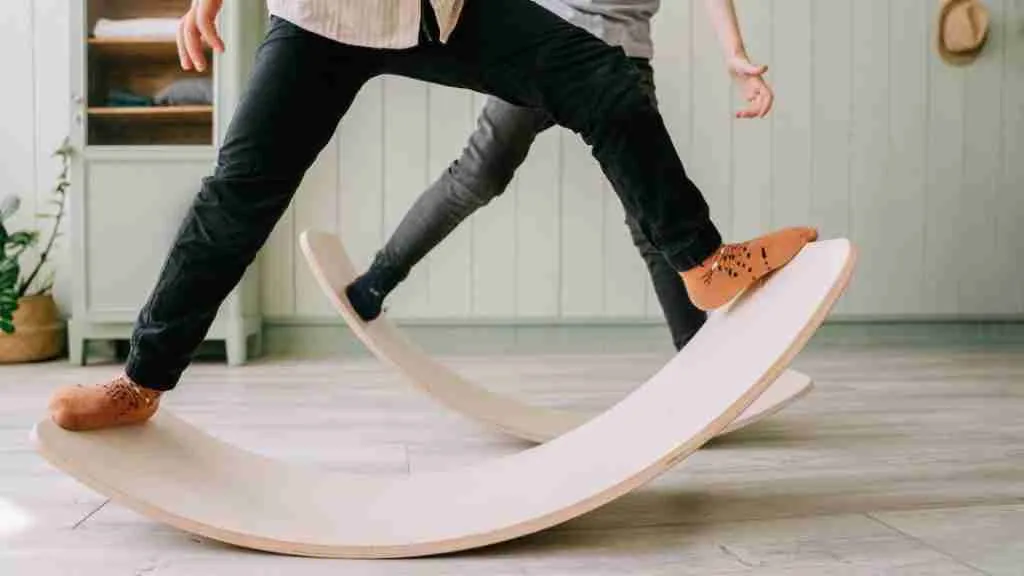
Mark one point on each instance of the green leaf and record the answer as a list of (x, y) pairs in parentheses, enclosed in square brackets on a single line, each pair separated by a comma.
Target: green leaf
[(8, 294), (9, 287), (22, 239), (8, 276)]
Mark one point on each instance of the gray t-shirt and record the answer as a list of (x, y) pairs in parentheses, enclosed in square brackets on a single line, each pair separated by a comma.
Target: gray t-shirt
[(625, 23)]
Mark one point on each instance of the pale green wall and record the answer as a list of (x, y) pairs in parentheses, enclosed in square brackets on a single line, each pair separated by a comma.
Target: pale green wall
[(922, 165)]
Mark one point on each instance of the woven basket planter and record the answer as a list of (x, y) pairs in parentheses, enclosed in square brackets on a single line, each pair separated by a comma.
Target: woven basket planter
[(37, 332)]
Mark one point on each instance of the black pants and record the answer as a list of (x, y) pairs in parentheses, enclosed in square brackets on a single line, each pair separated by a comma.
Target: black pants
[(495, 151), (302, 85)]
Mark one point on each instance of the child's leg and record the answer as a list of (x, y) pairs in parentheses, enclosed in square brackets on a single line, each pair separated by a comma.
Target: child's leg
[(527, 55), (593, 89), (495, 150), (300, 87), (683, 318)]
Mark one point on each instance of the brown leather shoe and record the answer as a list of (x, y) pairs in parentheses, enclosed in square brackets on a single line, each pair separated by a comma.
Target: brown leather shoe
[(735, 267), (119, 402)]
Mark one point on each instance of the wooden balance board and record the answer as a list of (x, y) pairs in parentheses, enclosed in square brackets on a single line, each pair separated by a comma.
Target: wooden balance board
[(175, 473), (333, 269)]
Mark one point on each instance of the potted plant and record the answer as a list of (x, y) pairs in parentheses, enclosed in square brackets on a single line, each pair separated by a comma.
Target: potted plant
[(30, 329)]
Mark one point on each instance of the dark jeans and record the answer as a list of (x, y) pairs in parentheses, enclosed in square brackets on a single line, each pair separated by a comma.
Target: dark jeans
[(499, 146), (302, 84)]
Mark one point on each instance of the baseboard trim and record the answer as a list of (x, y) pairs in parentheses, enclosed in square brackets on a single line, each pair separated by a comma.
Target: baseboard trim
[(323, 337), (835, 319)]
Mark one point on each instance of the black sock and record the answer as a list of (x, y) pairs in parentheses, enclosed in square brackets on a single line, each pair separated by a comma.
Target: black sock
[(368, 292)]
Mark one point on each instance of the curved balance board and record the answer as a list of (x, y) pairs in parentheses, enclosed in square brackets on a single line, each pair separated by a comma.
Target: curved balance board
[(177, 474), (333, 270)]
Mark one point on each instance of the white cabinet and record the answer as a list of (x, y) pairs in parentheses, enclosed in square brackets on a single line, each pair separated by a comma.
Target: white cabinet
[(131, 201), (137, 168)]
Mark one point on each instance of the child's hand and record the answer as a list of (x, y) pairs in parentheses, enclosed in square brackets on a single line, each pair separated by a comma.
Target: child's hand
[(199, 24), (756, 91)]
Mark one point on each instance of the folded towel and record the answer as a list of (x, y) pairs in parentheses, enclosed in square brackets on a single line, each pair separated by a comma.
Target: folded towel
[(186, 91), (156, 28), (125, 99)]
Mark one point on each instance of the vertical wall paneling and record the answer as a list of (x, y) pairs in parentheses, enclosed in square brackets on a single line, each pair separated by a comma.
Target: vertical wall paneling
[(752, 194), (625, 275), (831, 45), (450, 115), (832, 101), (983, 162), (894, 204), (538, 223), (943, 250), (1011, 214), (494, 234), (582, 230), (405, 176), (18, 158), (50, 55), (711, 144), (869, 146), (674, 77), (361, 166), (316, 206), (278, 268), (790, 74)]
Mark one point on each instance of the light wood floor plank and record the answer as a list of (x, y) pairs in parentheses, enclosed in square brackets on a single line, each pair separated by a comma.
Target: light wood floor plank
[(989, 538), (903, 460)]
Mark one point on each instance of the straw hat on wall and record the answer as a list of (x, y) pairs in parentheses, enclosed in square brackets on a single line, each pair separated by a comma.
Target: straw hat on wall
[(962, 30)]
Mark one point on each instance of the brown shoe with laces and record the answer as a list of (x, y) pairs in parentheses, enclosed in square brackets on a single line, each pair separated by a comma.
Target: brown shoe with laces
[(735, 267), (119, 402)]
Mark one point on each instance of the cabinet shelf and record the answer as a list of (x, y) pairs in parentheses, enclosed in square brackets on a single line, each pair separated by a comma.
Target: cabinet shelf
[(134, 47), (129, 40), (135, 69), (151, 125), (140, 47), (131, 112)]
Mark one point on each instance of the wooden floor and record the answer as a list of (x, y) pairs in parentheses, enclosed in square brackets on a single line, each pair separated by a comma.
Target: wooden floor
[(904, 460)]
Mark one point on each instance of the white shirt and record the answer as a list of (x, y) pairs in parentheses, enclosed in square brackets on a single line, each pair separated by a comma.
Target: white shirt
[(370, 23)]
